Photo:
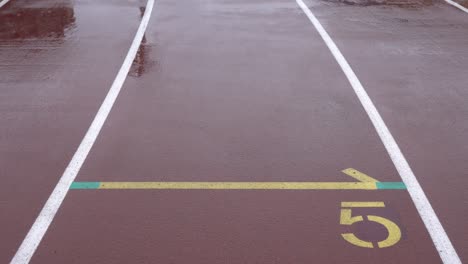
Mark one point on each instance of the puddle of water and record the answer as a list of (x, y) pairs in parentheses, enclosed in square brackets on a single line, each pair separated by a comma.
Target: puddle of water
[(139, 64), (462, 2), (142, 62), (36, 23)]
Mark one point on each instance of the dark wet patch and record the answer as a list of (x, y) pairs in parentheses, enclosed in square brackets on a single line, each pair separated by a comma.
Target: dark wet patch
[(34, 23), (143, 62), (462, 2)]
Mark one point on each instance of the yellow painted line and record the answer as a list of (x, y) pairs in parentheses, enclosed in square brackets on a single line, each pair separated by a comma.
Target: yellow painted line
[(351, 238), (394, 232), (362, 204), (358, 175), (241, 185)]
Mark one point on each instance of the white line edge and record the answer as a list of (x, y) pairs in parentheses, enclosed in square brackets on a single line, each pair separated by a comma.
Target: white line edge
[(47, 214), (457, 5), (4, 2), (439, 237)]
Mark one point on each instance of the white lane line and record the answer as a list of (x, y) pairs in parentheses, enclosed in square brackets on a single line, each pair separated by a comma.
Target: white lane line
[(4, 2), (434, 227), (457, 5), (43, 221)]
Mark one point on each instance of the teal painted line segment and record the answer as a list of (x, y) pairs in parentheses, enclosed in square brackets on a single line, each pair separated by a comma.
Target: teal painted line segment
[(85, 185), (390, 185)]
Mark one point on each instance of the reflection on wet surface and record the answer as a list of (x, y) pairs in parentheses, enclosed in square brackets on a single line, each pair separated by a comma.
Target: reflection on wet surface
[(463, 2), (32, 23), (140, 64)]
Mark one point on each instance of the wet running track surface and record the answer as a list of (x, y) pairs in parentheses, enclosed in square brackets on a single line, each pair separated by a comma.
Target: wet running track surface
[(228, 140)]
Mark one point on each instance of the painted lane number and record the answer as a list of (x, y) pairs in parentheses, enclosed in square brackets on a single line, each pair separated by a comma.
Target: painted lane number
[(346, 218)]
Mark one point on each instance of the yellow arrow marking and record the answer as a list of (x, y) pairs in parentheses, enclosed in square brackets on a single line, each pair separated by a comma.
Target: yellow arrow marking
[(365, 182), (359, 175)]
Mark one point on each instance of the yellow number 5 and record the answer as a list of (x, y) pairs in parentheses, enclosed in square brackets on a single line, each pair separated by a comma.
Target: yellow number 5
[(394, 233)]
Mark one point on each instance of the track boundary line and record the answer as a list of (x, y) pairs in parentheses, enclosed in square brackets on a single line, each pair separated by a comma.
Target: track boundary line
[(433, 225), (47, 214), (4, 2), (457, 5)]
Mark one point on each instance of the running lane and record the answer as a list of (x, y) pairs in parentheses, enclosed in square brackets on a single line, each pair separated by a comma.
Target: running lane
[(57, 60), (235, 91), (413, 61)]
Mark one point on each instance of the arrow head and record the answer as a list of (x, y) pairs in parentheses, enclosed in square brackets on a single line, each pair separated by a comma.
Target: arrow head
[(358, 175)]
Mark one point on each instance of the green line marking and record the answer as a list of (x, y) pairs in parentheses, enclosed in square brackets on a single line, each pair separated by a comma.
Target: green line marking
[(84, 185), (390, 185)]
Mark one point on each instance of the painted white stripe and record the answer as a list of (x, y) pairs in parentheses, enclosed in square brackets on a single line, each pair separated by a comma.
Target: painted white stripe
[(4, 2), (457, 5), (43, 221), (439, 237)]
